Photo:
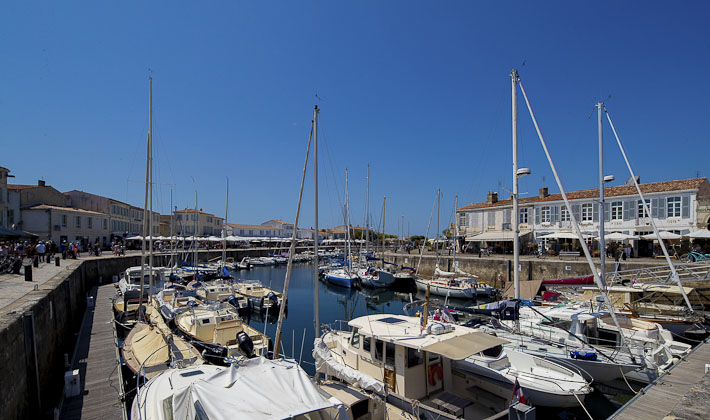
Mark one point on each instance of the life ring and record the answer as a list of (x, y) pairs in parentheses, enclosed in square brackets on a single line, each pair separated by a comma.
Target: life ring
[(434, 371)]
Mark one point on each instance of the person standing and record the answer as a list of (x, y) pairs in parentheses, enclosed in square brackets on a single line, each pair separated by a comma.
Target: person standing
[(41, 249)]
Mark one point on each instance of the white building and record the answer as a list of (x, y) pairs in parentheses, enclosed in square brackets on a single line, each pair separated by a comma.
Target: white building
[(258, 231), (673, 206), (66, 224)]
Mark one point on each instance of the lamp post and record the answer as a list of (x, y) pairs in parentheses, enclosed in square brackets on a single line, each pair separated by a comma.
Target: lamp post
[(519, 173)]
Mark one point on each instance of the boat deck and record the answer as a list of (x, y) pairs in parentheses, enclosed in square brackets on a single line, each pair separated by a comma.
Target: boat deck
[(657, 400), (96, 359)]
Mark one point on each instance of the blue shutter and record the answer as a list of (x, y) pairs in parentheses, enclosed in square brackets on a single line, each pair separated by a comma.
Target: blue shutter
[(595, 212), (575, 212), (607, 212), (626, 213), (537, 215), (685, 207), (555, 215), (654, 208)]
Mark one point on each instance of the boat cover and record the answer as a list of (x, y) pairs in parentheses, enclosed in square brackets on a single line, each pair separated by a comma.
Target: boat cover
[(259, 389), (329, 366)]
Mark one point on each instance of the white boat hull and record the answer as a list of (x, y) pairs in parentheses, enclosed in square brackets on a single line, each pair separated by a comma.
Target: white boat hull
[(457, 292)]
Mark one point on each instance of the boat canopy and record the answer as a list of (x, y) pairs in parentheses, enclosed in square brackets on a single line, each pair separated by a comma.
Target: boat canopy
[(528, 289), (248, 390), (456, 344)]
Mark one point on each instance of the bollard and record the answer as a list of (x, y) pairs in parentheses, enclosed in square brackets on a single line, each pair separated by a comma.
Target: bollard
[(56, 261), (35, 262), (28, 272), (49, 259)]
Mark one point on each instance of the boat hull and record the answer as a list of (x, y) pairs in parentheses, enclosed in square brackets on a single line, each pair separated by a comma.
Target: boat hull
[(340, 280), (467, 293)]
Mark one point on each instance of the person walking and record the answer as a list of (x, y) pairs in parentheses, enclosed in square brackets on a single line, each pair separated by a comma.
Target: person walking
[(41, 249)]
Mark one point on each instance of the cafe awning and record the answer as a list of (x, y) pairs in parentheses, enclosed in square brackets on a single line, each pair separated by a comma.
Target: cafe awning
[(563, 235), (663, 235), (501, 236)]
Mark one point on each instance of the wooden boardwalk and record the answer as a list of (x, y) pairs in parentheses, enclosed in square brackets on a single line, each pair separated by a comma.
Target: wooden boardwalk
[(658, 400), (96, 360)]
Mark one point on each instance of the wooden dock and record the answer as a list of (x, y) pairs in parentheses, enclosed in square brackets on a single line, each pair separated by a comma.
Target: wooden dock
[(657, 400), (96, 359)]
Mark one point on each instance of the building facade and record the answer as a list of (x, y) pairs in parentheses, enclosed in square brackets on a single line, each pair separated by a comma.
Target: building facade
[(5, 220), (67, 224), (675, 206), (123, 219), (198, 223), (256, 231)]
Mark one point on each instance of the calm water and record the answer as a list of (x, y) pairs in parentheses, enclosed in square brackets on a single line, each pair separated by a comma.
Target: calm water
[(338, 303)]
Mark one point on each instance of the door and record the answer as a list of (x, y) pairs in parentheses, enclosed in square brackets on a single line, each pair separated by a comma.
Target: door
[(435, 373)]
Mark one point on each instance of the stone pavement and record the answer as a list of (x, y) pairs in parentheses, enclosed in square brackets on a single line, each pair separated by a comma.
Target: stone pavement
[(14, 286)]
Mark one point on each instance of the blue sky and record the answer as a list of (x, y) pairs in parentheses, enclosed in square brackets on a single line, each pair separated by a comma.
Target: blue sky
[(420, 90)]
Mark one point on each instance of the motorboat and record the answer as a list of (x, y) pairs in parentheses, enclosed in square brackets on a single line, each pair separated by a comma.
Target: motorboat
[(260, 297), (150, 347), (220, 331), (544, 382), (372, 277), (394, 356), (130, 279), (223, 291), (257, 388)]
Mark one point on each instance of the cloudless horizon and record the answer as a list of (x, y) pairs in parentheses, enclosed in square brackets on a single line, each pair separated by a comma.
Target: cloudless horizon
[(419, 90)]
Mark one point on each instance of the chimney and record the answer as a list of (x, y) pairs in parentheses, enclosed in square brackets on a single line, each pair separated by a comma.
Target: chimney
[(544, 192), (492, 197), (40, 183)]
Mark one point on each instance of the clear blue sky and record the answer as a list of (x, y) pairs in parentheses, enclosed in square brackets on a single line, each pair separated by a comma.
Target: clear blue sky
[(418, 89)]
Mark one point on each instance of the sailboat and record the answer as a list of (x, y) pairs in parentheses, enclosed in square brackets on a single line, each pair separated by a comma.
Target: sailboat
[(344, 276), (372, 276)]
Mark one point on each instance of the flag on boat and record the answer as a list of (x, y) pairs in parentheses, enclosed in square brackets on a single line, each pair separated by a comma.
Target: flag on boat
[(447, 315), (421, 321), (518, 393)]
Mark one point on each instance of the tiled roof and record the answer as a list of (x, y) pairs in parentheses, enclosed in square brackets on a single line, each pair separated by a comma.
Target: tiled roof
[(48, 207), (617, 191), (278, 221), (196, 211)]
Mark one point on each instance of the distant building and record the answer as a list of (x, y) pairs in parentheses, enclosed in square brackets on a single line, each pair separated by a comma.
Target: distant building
[(165, 220), (123, 219), (197, 222), (6, 218), (66, 224), (20, 197), (256, 231), (675, 206)]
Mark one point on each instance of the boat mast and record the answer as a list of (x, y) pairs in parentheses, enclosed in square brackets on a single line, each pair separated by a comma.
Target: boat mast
[(145, 206), (348, 257), (602, 243), (436, 242), (194, 233), (367, 215), (456, 230), (150, 213), (384, 212), (224, 229), (315, 212), (172, 255), (516, 224)]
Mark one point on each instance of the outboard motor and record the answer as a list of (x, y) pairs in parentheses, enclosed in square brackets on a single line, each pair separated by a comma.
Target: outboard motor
[(245, 344), (232, 300), (272, 296)]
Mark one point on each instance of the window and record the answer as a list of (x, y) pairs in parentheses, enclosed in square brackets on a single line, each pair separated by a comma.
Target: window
[(355, 340), (64, 220), (414, 357), (366, 344), (462, 220), (564, 214), (105, 224), (641, 208), (616, 210), (491, 218), (545, 214), (523, 216), (378, 350), (587, 210), (389, 354), (11, 216), (89, 222), (77, 221), (673, 204)]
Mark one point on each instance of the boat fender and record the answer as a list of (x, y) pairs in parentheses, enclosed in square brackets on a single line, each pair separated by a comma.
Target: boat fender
[(583, 355), (245, 344), (437, 328), (435, 372)]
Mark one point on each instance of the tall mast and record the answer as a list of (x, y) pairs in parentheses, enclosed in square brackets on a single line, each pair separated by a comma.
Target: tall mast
[(171, 228), (367, 216), (384, 216), (315, 211), (436, 241), (602, 243), (348, 257), (224, 229), (456, 229), (195, 216), (150, 213), (145, 205), (516, 224)]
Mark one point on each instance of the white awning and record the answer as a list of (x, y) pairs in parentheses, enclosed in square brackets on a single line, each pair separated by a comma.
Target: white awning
[(663, 234), (502, 236), (618, 236), (563, 235), (699, 234)]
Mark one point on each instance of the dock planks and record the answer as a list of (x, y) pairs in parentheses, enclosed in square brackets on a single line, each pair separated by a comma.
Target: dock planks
[(97, 364), (660, 399)]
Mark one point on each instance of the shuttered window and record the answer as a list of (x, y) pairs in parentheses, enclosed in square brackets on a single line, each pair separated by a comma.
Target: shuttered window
[(673, 205)]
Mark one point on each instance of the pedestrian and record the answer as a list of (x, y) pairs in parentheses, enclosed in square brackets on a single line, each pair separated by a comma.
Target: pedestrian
[(41, 249)]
